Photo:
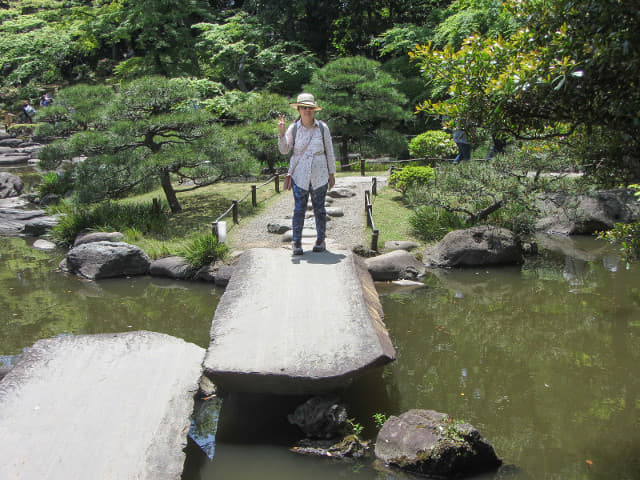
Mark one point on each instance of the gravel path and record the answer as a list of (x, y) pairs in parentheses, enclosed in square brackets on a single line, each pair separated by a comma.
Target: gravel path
[(342, 232)]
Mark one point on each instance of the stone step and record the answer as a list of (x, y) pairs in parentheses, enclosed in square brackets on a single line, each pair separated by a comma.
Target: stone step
[(105, 406)]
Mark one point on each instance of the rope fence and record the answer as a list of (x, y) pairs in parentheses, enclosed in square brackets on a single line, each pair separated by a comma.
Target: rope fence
[(218, 227)]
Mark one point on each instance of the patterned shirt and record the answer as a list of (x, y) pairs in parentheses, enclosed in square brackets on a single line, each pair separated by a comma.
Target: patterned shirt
[(311, 166)]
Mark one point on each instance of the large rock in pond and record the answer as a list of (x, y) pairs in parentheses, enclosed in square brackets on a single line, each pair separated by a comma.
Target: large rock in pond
[(587, 214), (431, 443), (10, 185), (476, 246), (98, 260), (172, 267), (395, 265)]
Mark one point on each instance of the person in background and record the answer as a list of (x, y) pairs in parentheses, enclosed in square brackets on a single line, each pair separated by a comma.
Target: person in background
[(312, 167), (28, 111), (45, 100), (464, 145)]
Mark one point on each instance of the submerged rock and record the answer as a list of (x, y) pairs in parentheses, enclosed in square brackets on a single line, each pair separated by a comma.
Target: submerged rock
[(349, 447), (431, 443), (320, 417), (395, 265), (172, 267)]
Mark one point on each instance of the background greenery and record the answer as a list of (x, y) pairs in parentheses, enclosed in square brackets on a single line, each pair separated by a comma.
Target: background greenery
[(181, 95)]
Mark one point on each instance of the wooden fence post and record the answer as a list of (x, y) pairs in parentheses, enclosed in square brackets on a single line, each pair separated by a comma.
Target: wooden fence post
[(214, 229), (254, 196), (362, 162), (277, 183), (235, 212), (374, 186), (374, 240)]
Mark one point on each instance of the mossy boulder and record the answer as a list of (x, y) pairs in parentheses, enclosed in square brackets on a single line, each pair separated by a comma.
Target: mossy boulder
[(432, 443)]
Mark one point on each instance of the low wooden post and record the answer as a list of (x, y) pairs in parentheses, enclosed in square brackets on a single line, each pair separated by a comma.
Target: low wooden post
[(366, 199), (374, 240), (362, 162), (235, 211), (374, 186), (254, 195), (214, 230), (156, 205), (277, 183)]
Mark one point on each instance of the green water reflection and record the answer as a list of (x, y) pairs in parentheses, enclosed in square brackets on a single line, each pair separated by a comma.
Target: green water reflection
[(543, 359), (38, 301)]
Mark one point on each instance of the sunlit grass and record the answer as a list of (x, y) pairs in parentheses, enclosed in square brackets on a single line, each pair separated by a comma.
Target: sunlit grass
[(391, 217), (199, 209)]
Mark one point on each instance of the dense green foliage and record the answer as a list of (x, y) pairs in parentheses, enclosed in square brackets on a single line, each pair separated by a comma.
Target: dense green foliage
[(627, 236), (362, 103), (187, 92), (433, 144), (501, 192), (570, 72), (410, 177), (204, 249), (150, 131), (108, 216)]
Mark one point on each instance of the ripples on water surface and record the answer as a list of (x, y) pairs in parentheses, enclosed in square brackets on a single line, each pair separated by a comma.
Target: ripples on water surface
[(543, 359)]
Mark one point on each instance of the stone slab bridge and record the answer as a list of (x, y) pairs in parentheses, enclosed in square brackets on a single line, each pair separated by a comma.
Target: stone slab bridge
[(296, 325), (118, 406)]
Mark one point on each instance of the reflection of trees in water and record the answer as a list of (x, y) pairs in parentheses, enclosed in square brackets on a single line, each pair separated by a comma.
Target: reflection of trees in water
[(41, 302), (547, 358)]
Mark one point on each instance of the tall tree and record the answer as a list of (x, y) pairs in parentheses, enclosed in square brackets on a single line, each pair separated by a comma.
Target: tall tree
[(361, 101), (151, 132), (243, 53)]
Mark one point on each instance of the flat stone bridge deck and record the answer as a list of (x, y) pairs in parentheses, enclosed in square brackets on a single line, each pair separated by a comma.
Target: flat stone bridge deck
[(296, 324), (111, 406)]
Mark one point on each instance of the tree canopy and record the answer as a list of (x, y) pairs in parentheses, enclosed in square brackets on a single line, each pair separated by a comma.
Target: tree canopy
[(563, 70), (149, 131), (571, 71)]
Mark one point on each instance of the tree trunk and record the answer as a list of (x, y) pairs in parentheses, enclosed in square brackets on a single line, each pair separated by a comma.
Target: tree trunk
[(170, 193), (344, 155)]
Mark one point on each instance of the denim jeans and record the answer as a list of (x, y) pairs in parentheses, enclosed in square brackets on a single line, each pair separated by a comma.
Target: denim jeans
[(464, 152), (301, 197)]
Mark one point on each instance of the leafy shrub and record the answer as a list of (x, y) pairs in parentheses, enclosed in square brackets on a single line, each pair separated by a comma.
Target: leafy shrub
[(627, 236), (204, 249), (433, 144), (409, 177), (55, 183), (432, 224), (109, 216)]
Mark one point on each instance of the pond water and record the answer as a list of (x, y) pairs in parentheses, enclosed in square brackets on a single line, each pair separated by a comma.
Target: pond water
[(543, 359)]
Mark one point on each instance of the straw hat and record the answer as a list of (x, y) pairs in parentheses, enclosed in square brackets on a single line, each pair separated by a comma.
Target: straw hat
[(306, 100)]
